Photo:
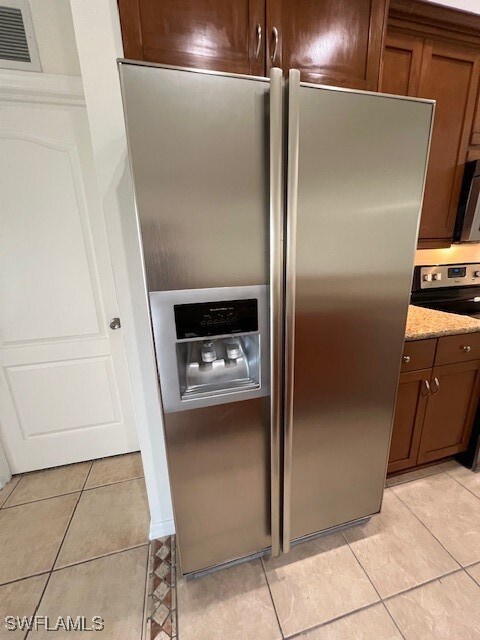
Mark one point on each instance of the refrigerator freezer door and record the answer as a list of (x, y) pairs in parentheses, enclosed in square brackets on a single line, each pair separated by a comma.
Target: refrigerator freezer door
[(351, 238), (199, 146)]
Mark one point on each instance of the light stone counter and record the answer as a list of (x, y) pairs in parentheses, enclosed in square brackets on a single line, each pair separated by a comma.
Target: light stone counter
[(429, 323)]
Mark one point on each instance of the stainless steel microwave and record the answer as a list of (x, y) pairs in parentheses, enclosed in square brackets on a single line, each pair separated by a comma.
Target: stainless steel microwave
[(467, 227)]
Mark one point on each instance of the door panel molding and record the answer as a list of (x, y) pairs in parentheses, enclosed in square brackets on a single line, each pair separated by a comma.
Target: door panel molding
[(71, 151)]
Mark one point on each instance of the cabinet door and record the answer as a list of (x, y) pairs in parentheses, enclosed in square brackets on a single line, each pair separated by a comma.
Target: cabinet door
[(221, 35), (449, 74), (335, 42), (409, 414), (401, 63), (450, 410)]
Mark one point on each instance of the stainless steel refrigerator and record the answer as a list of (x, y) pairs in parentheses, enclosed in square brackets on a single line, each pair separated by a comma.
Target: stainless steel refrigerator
[(279, 222)]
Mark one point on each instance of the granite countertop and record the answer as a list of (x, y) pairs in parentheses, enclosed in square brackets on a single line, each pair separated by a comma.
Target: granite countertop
[(429, 323)]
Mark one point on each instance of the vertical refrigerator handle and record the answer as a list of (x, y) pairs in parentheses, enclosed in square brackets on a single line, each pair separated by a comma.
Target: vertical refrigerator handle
[(291, 233), (276, 296)]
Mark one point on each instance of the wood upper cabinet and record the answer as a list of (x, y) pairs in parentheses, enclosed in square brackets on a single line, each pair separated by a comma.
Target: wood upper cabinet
[(329, 41), (221, 35), (450, 410), (434, 52), (413, 391), (402, 61), (448, 74)]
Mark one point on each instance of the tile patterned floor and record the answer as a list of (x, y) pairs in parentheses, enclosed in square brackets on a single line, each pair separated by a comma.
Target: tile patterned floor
[(411, 573), (74, 542), (161, 609)]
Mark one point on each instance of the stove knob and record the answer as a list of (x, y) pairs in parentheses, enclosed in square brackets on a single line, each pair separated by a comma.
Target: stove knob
[(476, 274), (427, 277), (437, 276)]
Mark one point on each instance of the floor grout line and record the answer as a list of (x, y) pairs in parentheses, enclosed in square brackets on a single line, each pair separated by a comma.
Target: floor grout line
[(427, 528), (373, 585), (422, 584), (68, 493), (450, 476), (34, 575), (299, 634), (109, 484), (271, 598), (103, 555), (60, 495), (390, 615), (12, 491), (54, 560)]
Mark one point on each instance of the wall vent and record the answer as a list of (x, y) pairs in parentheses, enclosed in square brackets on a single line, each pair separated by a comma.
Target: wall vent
[(18, 47)]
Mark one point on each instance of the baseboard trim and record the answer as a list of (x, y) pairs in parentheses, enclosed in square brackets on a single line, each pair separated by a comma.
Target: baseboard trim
[(160, 529)]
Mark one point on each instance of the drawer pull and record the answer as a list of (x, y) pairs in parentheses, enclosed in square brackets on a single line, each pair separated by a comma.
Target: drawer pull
[(436, 389), (466, 348), (406, 359)]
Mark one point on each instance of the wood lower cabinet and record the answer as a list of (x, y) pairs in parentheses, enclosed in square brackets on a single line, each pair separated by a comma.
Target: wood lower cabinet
[(221, 35), (450, 410), (330, 41), (435, 406), (412, 398), (335, 42)]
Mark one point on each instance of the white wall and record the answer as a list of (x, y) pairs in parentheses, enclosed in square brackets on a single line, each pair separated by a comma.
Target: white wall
[(465, 5), (53, 26), (98, 49)]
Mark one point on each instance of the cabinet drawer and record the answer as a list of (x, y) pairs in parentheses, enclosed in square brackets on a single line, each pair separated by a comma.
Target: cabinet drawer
[(418, 354), (459, 348)]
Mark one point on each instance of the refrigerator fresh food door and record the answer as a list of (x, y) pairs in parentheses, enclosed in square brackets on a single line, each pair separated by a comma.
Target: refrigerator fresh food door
[(356, 171), (206, 192)]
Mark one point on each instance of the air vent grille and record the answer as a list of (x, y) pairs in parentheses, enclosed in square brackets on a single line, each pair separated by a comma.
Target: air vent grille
[(18, 49), (13, 40)]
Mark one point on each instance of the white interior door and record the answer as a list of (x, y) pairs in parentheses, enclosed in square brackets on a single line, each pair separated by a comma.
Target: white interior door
[(64, 388)]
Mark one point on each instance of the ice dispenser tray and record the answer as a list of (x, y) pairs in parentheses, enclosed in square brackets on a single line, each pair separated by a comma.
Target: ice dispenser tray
[(211, 345), (217, 364)]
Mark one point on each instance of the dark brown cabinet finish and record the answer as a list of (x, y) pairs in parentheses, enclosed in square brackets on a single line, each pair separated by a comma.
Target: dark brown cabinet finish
[(413, 391), (221, 35), (437, 397), (418, 354), (450, 410), (434, 52), (329, 41), (449, 75)]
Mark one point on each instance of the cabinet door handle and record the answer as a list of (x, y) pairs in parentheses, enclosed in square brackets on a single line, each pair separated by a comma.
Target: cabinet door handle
[(436, 389), (426, 384), (406, 359), (259, 41), (466, 348), (275, 44)]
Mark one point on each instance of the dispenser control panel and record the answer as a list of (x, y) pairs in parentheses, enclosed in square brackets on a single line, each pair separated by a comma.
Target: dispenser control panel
[(212, 345), (204, 319)]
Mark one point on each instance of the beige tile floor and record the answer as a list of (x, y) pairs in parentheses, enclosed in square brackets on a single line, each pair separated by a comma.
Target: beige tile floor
[(74, 542), (412, 572)]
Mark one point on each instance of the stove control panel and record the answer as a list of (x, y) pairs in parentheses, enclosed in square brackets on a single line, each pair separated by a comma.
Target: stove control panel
[(449, 275)]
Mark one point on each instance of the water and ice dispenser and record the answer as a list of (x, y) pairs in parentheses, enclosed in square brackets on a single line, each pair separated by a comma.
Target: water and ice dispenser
[(212, 345)]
